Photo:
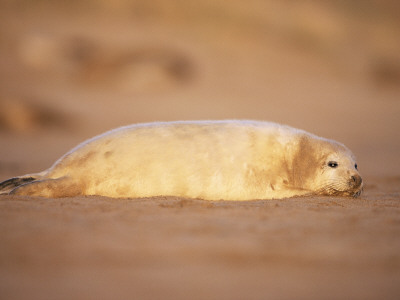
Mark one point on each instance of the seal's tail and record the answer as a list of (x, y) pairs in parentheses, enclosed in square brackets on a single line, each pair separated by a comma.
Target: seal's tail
[(8, 185)]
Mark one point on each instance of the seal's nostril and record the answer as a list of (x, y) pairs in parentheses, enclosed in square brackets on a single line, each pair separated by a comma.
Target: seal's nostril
[(356, 180)]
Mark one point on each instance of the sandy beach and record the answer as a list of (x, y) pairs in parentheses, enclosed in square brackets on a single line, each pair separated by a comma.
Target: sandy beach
[(72, 70)]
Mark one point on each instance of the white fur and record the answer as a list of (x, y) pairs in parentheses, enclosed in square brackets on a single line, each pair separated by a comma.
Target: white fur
[(231, 160)]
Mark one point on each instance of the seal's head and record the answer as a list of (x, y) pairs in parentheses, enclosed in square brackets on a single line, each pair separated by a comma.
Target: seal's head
[(340, 174), (327, 168)]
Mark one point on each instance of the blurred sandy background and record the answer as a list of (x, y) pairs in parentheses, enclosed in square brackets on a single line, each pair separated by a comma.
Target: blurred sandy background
[(73, 69)]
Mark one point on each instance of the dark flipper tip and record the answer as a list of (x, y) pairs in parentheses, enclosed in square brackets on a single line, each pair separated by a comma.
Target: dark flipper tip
[(14, 182)]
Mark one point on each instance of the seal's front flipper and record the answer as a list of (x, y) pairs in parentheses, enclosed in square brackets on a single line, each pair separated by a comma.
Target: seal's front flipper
[(10, 184), (50, 188)]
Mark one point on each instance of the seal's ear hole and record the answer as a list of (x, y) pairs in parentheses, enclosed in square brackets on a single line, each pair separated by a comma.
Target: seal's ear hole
[(333, 164), (355, 166)]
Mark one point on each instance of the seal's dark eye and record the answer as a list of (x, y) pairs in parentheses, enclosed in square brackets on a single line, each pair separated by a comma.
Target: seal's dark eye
[(355, 166), (333, 164)]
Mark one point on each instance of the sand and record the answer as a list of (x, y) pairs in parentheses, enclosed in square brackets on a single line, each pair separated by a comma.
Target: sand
[(170, 248), (71, 70)]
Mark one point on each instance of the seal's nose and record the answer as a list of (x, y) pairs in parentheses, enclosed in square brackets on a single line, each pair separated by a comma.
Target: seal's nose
[(356, 180)]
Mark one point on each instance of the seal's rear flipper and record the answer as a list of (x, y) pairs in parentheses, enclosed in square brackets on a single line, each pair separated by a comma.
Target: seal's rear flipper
[(50, 188), (10, 184)]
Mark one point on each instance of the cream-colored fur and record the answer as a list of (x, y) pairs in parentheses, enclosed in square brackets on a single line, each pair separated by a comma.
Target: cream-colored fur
[(231, 160)]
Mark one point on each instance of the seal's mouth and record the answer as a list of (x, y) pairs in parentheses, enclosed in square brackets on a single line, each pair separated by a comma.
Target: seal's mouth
[(358, 193)]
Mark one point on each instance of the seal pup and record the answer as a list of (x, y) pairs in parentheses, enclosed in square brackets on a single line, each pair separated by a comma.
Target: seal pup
[(211, 160)]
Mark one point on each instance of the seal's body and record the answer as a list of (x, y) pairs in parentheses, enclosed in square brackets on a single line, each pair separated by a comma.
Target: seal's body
[(231, 160)]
